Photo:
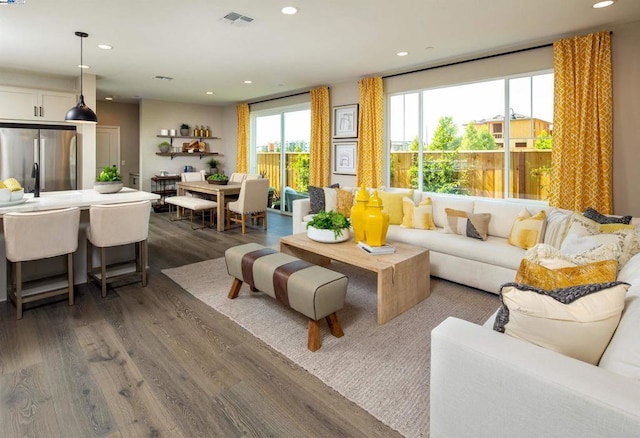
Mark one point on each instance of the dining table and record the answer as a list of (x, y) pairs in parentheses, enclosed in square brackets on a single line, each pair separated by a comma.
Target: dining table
[(217, 190)]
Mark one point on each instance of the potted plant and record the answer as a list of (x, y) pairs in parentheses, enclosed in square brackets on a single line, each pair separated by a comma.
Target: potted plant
[(184, 129), (328, 227), (218, 178), (213, 164), (109, 180), (164, 147)]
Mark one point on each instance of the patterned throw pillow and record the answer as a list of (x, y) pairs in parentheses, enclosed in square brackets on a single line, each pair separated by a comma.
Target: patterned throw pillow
[(584, 234), (586, 316), (594, 215), (467, 224), (417, 216), (556, 226), (317, 198), (539, 276), (345, 202), (527, 231)]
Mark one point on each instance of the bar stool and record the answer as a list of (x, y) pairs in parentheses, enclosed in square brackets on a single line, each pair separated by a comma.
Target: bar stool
[(113, 225), (39, 235)]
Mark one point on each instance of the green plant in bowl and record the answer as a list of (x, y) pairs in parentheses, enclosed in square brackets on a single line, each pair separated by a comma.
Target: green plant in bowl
[(218, 177), (109, 174), (330, 220)]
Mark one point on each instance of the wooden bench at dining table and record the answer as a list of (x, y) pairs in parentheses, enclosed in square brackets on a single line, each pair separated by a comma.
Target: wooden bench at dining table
[(219, 191)]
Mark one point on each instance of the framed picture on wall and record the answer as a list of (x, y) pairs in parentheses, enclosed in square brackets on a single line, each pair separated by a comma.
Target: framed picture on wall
[(344, 158), (345, 121)]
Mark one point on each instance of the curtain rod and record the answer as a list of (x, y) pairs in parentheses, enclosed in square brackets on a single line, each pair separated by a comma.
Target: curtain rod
[(280, 97), (471, 60), (468, 60)]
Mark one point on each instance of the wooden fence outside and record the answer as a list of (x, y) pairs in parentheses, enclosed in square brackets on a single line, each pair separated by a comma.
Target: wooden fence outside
[(529, 172), (529, 175)]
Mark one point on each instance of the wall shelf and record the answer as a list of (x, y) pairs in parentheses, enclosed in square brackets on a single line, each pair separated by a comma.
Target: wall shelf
[(187, 136), (186, 154)]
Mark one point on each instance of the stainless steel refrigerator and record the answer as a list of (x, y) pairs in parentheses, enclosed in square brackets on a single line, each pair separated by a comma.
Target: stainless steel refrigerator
[(53, 147)]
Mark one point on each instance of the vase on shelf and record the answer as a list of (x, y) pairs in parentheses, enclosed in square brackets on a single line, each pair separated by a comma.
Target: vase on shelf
[(376, 222), (184, 132)]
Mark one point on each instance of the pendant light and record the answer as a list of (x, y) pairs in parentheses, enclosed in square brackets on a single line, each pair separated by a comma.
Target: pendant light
[(81, 113)]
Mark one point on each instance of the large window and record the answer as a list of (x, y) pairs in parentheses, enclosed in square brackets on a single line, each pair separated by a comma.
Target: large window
[(280, 141), (457, 140)]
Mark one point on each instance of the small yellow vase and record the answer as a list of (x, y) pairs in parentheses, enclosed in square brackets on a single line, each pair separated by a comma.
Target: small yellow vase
[(376, 222), (357, 214)]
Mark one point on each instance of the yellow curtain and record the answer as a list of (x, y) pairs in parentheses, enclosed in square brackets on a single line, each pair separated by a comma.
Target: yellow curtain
[(581, 161), (242, 157), (320, 154), (371, 136)]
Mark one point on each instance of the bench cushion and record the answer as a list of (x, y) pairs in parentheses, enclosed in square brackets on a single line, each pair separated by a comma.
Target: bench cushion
[(191, 203), (314, 291)]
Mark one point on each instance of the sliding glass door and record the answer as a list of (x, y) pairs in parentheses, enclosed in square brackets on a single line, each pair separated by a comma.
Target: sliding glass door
[(280, 151)]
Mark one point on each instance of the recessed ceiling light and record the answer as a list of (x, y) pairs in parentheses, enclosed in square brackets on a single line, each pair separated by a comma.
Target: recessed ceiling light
[(402, 53), (108, 98), (603, 4), (248, 82), (105, 46), (289, 10), (209, 92), (83, 66)]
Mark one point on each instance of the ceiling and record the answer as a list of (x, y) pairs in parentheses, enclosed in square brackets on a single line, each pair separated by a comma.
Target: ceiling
[(326, 42)]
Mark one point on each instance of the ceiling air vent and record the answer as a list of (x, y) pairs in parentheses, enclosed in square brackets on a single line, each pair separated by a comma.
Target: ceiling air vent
[(236, 19)]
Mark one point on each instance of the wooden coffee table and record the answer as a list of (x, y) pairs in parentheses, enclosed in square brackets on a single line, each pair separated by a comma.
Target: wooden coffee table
[(403, 277)]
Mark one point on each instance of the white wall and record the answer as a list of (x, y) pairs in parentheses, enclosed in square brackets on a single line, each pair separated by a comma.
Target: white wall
[(156, 115)]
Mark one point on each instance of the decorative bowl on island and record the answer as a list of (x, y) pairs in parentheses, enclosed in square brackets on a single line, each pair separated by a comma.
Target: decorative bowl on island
[(108, 186)]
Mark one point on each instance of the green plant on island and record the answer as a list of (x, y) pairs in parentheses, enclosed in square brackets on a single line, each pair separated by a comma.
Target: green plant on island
[(218, 177), (330, 220), (109, 174)]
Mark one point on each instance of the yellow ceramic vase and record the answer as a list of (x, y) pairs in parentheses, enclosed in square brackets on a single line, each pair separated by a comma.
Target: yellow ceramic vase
[(376, 222), (357, 214)]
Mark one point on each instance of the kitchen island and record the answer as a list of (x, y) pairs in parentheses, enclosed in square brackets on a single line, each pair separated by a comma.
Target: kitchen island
[(82, 199)]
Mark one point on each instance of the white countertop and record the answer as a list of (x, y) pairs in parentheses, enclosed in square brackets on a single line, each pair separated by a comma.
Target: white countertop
[(77, 198)]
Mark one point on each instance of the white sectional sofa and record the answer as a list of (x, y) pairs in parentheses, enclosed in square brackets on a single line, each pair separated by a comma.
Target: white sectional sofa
[(481, 264), (489, 384)]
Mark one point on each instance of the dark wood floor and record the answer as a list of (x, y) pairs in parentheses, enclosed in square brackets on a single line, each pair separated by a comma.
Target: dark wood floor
[(155, 361)]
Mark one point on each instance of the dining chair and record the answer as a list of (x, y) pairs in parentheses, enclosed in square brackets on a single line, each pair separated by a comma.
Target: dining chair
[(113, 225), (237, 178), (253, 176), (251, 203), (34, 236)]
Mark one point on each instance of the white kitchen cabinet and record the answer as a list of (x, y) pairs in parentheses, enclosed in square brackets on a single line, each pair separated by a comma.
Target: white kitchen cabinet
[(30, 104)]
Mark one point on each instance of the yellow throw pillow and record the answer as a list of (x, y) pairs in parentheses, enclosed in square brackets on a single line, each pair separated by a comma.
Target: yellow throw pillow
[(527, 231), (467, 224), (392, 204), (578, 321), (344, 202), (536, 275), (612, 228), (417, 216)]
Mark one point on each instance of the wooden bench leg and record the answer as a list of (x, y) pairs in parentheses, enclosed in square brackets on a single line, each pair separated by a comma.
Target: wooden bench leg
[(334, 325), (313, 341), (235, 288)]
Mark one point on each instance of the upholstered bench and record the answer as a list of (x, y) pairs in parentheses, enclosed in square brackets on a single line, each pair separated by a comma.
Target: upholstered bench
[(192, 204), (314, 291)]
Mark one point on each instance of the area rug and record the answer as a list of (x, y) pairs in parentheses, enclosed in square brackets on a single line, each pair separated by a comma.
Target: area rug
[(382, 368)]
